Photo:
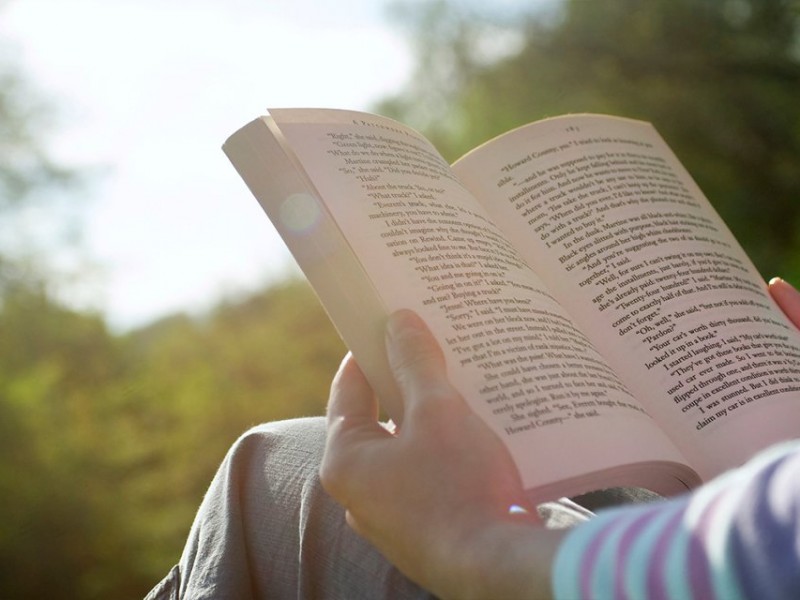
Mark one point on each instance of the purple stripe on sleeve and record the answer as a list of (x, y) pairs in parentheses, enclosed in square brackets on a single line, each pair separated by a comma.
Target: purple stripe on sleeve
[(590, 556), (656, 585), (697, 557), (623, 550), (765, 533)]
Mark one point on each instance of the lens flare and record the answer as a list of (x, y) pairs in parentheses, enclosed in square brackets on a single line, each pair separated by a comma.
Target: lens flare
[(300, 213)]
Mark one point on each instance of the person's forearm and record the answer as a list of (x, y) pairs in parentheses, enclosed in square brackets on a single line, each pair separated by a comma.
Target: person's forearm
[(506, 560), (733, 538)]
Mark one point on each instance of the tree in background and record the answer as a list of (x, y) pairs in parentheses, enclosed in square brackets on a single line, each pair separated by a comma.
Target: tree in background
[(108, 441), (29, 176), (55, 365), (720, 79), (191, 386)]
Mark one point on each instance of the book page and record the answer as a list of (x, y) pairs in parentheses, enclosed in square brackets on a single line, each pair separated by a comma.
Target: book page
[(317, 244), (426, 244), (622, 236)]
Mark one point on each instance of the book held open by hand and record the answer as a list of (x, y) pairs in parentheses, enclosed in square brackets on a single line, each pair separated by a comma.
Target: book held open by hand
[(592, 306)]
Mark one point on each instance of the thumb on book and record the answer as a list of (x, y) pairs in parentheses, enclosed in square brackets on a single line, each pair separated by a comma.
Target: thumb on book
[(787, 297)]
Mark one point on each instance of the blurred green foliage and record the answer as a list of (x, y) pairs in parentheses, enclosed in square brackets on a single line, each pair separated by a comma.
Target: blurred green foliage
[(108, 441), (720, 80), (29, 175)]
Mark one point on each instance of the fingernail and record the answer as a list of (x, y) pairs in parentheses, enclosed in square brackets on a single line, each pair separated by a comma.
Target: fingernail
[(775, 280)]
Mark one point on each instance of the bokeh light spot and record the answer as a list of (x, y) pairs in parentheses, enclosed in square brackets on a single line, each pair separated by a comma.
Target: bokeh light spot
[(300, 212)]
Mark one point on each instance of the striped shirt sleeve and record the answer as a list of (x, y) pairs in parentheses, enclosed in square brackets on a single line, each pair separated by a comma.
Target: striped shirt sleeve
[(737, 537)]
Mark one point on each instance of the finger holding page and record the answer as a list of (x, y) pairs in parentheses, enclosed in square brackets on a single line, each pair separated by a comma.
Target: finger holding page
[(787, 297), (438, 417), (354, 435), (351, 395), (418, 364), (435, 498)]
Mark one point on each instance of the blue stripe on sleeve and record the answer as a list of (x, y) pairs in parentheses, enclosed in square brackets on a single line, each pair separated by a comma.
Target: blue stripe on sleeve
[(737, 537)]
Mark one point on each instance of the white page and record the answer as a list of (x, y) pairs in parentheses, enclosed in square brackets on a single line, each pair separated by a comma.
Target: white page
[(427, 244), (620, 233)]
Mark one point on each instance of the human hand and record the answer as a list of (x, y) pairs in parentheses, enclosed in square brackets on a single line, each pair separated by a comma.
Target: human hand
[(787, 297), (433, 497)]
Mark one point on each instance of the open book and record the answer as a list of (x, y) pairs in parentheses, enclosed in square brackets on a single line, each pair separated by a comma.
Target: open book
[(592, 306)]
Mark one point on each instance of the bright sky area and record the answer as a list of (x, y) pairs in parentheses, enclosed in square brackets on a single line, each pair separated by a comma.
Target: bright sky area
[(149, 89)]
